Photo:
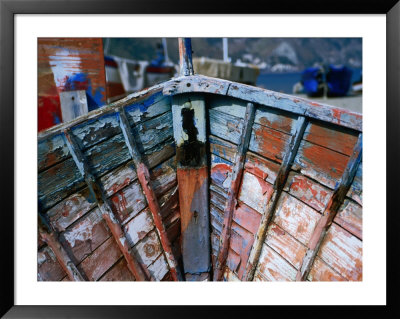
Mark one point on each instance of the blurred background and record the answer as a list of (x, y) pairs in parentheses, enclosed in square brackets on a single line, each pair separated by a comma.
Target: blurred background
[(78, 75)]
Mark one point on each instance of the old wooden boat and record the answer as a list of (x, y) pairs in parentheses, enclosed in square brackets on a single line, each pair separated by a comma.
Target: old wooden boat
[(202, 179)]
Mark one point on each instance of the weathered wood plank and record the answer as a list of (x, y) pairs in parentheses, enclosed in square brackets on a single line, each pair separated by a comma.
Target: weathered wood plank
[(48, 267), (236, 176), (308, 191), (51, 151), (70, 209), (334, 137), (322, 272), (119, 272), (148, 249), (163, 177), (127, 202), (255, 192), (343, 252), (232, 261), (261, 167), (217, 196), (298, 219), (286, 245), (138, 227), (107, 155), (217, 219), (241, 242), (188, 84), (102, 259), (349, 216), (220, 172), (272, 118), (96, 130), (247, 217), (169, 202), (159, 268), (222, 149), (273, 267), (57, 183), (118, 179), (320, 163), (268, 142), (225, 126), (148, 108), (86, 235), (152, 132)]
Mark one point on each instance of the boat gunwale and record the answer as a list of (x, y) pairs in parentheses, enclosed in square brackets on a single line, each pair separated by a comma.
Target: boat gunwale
[(205, 84)]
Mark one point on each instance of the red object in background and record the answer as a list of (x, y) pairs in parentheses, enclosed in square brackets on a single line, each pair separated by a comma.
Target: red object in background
[(49, 112), (68, 64)]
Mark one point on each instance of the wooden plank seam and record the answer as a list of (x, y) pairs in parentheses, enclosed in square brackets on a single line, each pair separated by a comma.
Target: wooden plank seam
[(231, 202), (330, 211), (138, 270), (144, 179), (297, 135)]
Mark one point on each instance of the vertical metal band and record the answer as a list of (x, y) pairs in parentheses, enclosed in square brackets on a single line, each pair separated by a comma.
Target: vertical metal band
[(297, 136), (330, 211), (236, 178)]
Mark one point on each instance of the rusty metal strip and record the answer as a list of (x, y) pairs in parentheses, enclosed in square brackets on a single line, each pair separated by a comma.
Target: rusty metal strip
[(297, 136), (50, 238), (185, 56), (236, 178), (330, 211), (144, 179), (139, 271)]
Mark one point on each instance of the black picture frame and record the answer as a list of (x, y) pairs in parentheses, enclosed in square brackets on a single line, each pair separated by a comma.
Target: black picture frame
[(9, 8)]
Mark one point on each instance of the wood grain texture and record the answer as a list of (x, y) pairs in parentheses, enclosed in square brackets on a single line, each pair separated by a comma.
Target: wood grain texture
[(70, 209), (273, 267), (308, 191), (286, 245), (349, 217), (320, 271), (261, 167), (343, 252), (334, 137), (83, 237), (255, 192), (95, 265), (57, 183), (298, 219), (118, 272), (48, 267), (321, 164)]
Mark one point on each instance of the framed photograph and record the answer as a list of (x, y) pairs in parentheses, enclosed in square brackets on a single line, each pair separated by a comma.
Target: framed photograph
[(226, 151)]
